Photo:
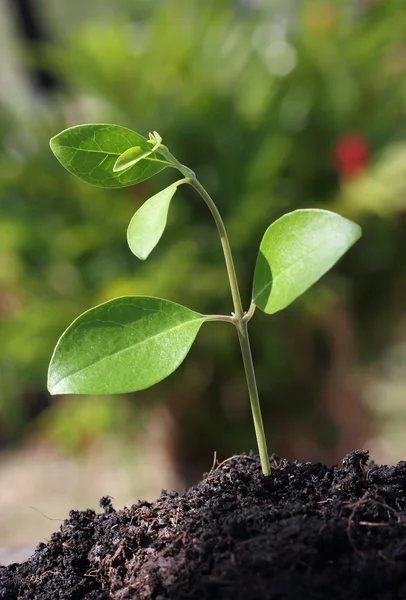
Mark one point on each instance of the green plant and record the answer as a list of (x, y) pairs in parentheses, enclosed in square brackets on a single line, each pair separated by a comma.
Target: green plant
[(130, 343)]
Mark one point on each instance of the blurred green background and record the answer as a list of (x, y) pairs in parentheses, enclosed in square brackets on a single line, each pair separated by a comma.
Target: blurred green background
[(276, 105)]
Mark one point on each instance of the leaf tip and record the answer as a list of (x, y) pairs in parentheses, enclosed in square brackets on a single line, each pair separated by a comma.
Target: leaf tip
[(117, 167), (50, 386), (53, 143), (141, 255), (358, 230)]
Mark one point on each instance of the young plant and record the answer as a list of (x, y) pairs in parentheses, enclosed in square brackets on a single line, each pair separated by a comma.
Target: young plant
[(130, 343)]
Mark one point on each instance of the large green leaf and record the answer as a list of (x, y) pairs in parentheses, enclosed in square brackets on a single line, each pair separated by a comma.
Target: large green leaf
[(295, 252), (91, 151), (149, 222), (124, 345)]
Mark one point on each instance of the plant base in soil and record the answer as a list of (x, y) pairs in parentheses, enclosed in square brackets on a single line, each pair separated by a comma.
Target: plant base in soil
[(306, 532)]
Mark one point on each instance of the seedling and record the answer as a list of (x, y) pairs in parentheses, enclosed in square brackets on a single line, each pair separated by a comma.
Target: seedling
[(131, 343)]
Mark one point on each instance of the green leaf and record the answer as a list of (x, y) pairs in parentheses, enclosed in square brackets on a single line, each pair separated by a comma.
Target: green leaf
[(296, 251), (133, 155), (91, 151), (149, 222), (124, 345), (129, 158), (156, 137)]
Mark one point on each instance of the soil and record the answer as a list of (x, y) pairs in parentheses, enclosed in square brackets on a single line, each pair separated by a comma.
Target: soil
[(306, 532)]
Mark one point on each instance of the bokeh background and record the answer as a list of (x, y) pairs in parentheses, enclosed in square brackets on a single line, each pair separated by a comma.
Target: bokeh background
[(276, 105)]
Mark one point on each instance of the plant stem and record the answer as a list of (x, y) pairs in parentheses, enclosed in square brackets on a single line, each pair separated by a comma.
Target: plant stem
[(225, 318), (250, 313), (232, 276), (242, 330), (239, 318)]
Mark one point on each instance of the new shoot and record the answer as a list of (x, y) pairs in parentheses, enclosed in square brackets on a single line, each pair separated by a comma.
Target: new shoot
[(132, 342)]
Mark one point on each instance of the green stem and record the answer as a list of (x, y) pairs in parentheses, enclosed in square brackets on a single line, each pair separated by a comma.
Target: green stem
[(242, 330), (232, 276), (225, 318), (188, 173), (181, 181), (250, 313), (239, 318)]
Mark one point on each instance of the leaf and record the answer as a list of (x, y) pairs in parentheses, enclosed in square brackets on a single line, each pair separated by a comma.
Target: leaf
[(149, 222), (133, 155), (124, 345), (91, 151), (296, 251), (129, 158), (156, 138)]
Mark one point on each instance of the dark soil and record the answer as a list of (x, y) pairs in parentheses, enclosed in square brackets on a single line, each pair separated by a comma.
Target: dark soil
[(306, 532)]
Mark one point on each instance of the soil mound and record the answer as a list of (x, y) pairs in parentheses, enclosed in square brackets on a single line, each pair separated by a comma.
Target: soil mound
[(306, 532)]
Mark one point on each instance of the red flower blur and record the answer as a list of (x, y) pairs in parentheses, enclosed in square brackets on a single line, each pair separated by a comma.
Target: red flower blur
[(351, 154)]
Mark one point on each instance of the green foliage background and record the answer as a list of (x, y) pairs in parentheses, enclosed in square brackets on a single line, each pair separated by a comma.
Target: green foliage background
[(253, 96)]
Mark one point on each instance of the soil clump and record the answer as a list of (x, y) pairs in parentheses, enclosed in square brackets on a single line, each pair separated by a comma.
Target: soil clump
[(306, 532)]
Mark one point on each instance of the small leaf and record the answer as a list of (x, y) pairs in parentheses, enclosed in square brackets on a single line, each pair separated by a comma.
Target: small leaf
[(124, 345), (133, 155), (157, 137), (129, 158), (296, 251), (149, 222), (91, 151)]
